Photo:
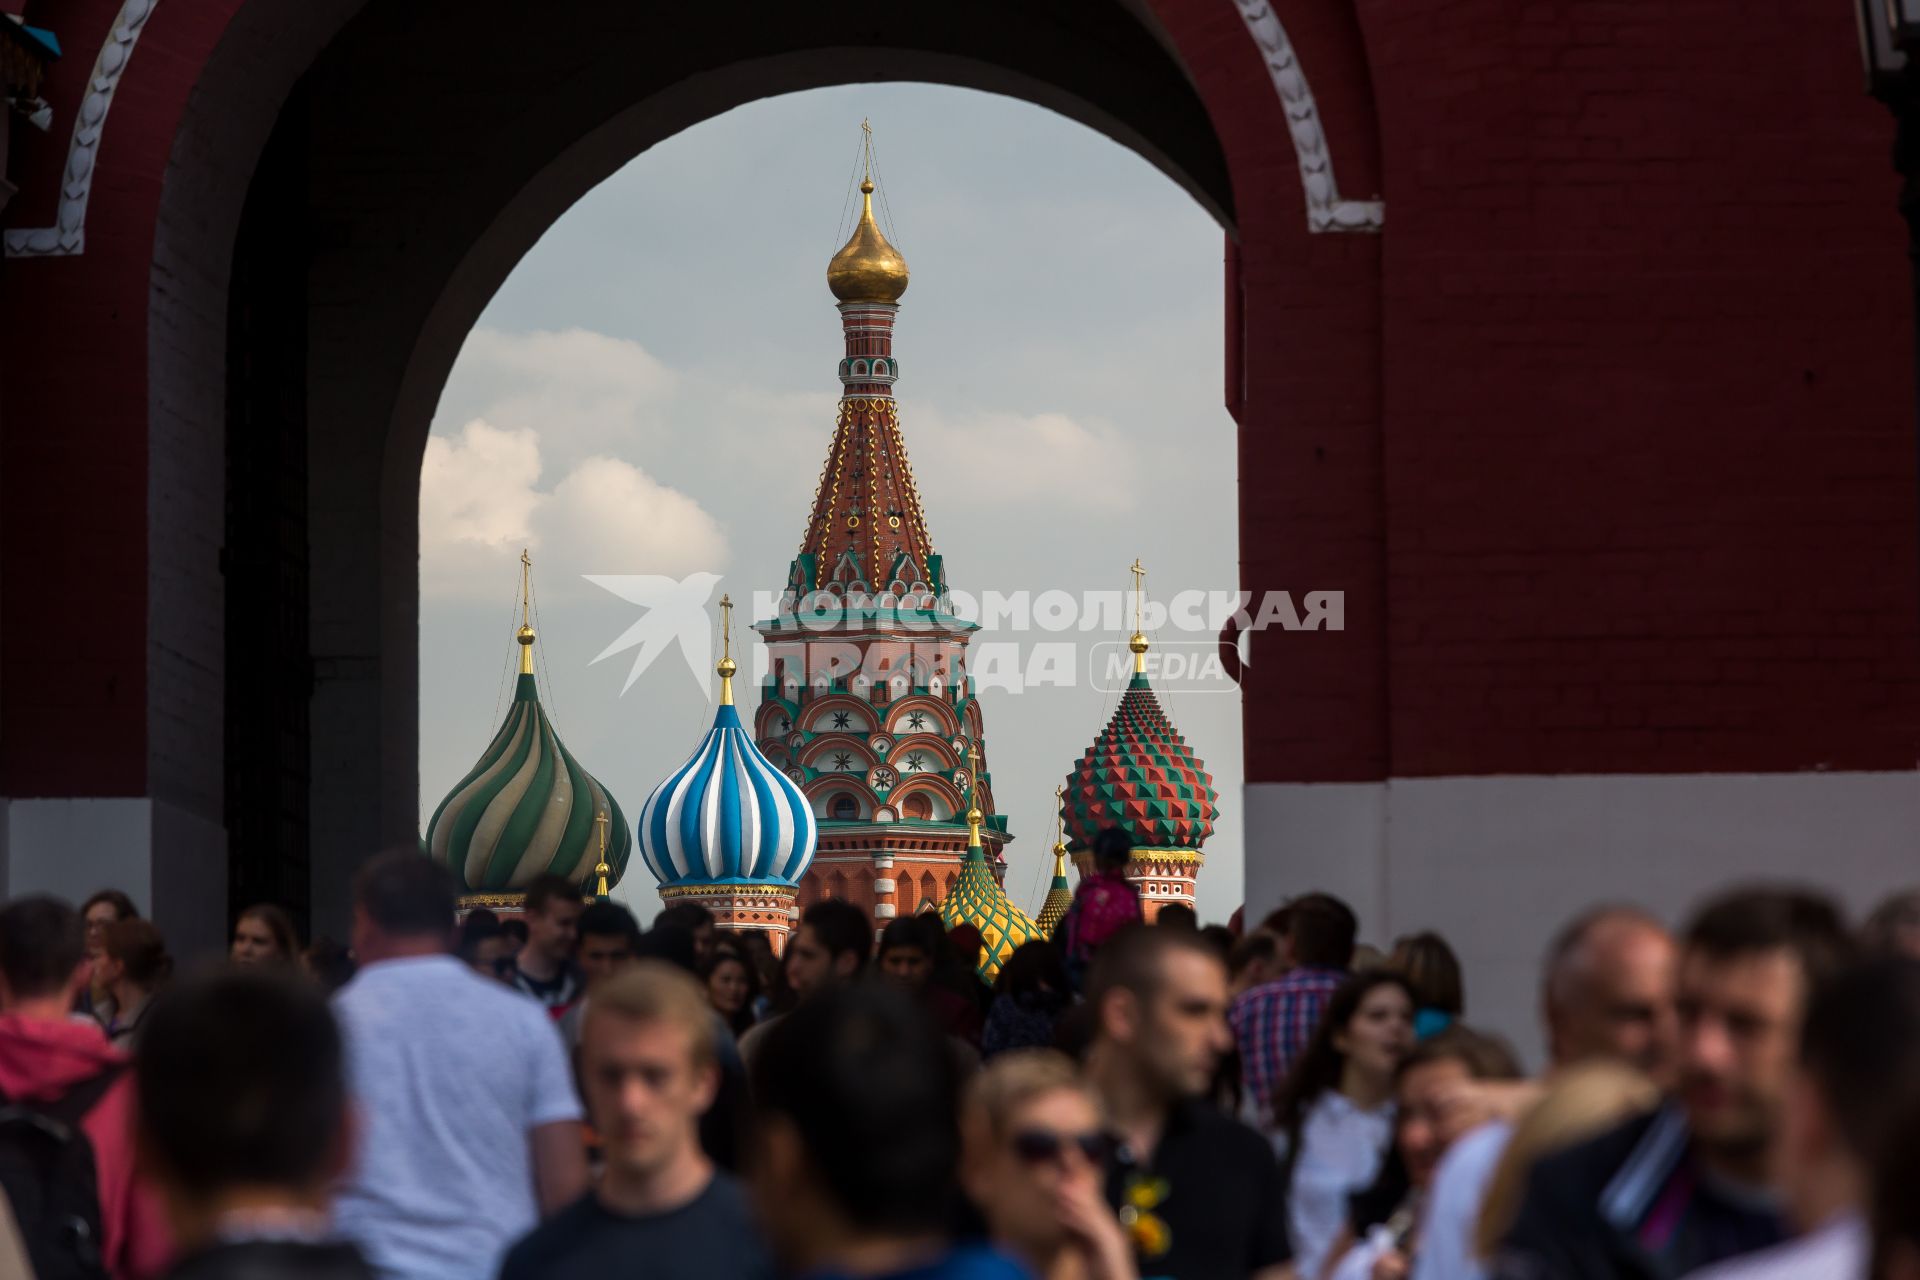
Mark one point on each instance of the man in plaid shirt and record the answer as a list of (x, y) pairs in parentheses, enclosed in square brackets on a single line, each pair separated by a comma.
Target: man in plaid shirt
[(1273, 1022)]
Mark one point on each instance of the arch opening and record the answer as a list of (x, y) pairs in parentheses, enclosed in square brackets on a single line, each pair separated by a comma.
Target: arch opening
[(327, 400)]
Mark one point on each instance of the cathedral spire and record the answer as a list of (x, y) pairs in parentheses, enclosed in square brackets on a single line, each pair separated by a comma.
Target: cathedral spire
[(867, 268), (867, 535), (1053, 908), (525, 634)]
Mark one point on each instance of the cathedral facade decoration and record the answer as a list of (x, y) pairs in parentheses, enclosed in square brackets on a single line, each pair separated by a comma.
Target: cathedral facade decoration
[(727, 829), (1139, 775), (867, 706), (861, 773)]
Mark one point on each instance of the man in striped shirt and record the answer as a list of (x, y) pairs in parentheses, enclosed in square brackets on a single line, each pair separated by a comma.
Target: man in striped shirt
[(1273, 1022)]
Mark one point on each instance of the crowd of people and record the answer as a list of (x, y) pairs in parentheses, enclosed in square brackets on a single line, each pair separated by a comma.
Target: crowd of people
[(563, 1094)]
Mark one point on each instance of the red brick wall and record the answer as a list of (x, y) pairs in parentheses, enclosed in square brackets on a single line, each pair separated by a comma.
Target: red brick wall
[(1649, 421), (1624, 481), (1608, 439)]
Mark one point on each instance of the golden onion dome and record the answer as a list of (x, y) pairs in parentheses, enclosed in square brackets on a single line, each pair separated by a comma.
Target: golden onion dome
[(867, 268)]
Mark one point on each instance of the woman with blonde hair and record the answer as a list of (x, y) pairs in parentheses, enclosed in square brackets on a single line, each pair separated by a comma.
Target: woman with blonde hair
[(1581, 1102), (1035, 1157)]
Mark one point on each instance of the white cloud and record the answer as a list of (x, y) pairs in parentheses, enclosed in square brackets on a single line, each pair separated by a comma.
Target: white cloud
[(569, 384), (614, 517), (477, 488), (593, 362), (481, 502), (1011, 459)]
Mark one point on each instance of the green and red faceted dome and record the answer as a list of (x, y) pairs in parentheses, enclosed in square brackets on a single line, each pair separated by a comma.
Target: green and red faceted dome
[(1140, 776)]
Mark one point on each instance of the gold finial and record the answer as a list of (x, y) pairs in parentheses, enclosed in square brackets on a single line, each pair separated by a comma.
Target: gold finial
[(974, 816), (1059, 830), (867, 268), (525, 634), (602, 871), (727, 665), (1138, 643)]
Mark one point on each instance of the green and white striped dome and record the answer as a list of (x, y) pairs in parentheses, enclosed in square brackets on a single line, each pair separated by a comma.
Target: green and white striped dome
[(526, 808)]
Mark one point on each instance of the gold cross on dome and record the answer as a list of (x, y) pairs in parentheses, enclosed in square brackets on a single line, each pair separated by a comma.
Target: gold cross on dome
[(726, 625), (1139, 573), (526, 587)]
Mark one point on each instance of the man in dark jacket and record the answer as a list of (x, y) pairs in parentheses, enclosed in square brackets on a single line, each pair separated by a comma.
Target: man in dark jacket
[(1692, 1183), (243, 1121)]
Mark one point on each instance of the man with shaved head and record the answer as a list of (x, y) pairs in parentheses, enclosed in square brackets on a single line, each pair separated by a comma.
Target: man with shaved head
[(1695, 1181), (1608, 992)]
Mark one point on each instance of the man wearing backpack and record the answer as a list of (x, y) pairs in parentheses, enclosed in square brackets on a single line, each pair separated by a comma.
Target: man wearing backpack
[(66, 1103)]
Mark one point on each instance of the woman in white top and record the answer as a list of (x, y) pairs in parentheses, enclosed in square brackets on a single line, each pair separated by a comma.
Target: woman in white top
[(1382, 1244), (1334, 1115)]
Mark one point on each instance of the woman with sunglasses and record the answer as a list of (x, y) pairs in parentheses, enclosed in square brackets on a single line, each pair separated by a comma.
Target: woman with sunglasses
[(1034, 1164)]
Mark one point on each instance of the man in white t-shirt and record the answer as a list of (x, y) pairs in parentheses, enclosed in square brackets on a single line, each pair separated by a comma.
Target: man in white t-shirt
[(1608, 993), (468, 1123)]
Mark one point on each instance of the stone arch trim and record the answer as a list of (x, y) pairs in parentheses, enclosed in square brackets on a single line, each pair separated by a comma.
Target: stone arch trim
[(1327, 210), (68, 234)]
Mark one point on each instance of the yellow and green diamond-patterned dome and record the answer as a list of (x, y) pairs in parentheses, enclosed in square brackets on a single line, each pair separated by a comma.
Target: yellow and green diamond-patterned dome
[(977, 899), (1059, 895)]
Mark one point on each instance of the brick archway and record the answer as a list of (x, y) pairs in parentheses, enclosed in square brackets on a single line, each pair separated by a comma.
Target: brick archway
[(323, 230), (1607, 438)]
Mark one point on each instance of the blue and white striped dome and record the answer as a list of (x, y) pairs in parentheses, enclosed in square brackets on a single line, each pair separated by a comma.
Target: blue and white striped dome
[(727, 815)]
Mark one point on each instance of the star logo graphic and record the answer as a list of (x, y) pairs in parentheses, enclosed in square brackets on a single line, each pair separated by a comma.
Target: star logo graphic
[(677, 613)]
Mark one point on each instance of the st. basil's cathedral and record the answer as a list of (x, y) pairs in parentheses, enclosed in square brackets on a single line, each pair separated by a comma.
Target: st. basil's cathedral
[(865, 773)]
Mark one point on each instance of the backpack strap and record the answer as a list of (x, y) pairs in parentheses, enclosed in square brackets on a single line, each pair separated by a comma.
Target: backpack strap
[(73, 1106)]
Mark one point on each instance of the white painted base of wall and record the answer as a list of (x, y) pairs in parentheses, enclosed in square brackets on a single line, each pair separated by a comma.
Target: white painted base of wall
[(1497, 864), (71, 847), (172, 863)]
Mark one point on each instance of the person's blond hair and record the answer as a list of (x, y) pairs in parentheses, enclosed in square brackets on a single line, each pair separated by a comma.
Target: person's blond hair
[(1582, 1101), (652, 991), (1013, 1079)]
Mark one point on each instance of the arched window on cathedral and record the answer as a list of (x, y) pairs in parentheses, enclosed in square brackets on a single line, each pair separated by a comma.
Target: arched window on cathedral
[(917, 806), (929, 888), (843, 807)]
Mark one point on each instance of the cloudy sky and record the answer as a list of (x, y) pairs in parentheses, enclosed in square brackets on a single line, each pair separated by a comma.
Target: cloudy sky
[(652, 393)]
